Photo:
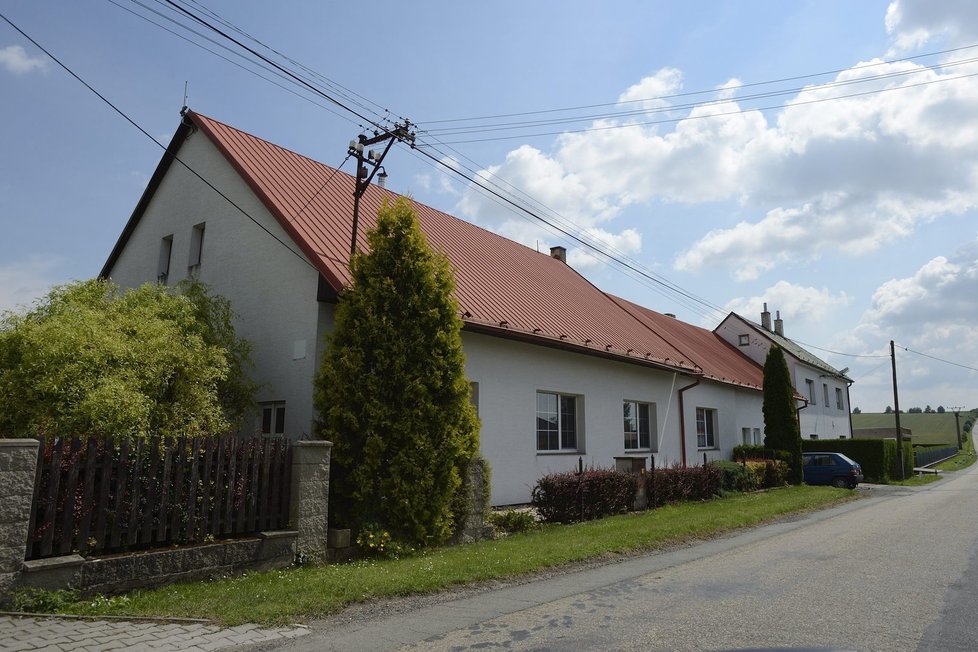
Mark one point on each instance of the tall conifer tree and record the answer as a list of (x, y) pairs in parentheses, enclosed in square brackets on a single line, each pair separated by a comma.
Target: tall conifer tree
[(781, 429), (392, 394)]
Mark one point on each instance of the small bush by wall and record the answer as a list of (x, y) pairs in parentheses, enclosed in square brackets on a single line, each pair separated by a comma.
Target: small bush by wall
[(746, 452), (568, 497), (737, 477), (677, 483)]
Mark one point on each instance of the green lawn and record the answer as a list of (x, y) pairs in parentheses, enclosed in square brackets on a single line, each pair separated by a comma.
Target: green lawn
[(927, 429), (292, 595)]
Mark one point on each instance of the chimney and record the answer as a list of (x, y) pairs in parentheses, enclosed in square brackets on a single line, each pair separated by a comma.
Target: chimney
[(560, 253), (766, 319), (779, 324)]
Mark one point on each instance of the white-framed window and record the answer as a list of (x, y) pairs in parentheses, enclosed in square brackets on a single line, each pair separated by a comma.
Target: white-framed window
[(744, 340), (838, 399), (758, 440), (706, 428), (810, 386), (745, 435), (271, 416), (825, 395), (196, 250), (557, 421), (639, 424), (163, 267)]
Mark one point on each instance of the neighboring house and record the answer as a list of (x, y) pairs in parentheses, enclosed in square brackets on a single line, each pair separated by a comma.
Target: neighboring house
[(560, 371), (824, 412)]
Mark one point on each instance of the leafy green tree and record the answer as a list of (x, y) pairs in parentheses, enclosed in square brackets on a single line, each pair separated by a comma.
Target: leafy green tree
[(89, 359), (781, 429), (856, 411), (392, 394)]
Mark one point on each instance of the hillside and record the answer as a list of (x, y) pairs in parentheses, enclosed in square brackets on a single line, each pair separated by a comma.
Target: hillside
[(927, 429)]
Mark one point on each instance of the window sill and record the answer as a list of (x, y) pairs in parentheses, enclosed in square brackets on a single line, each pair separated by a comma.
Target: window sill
[(638, 451), (707, 450), (561, 452)]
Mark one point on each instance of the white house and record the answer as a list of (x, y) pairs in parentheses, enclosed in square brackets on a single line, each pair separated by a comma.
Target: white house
[(560, 371), (824, 412)]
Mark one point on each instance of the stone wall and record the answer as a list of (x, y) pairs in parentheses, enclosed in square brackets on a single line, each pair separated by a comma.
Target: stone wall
[(18, 467)]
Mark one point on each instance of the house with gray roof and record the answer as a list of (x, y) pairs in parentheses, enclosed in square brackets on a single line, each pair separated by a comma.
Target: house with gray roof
[(823, 408)]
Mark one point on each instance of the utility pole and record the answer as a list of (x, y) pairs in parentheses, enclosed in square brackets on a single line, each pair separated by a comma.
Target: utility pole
[(364, 175), (957, 422), (896, 412)]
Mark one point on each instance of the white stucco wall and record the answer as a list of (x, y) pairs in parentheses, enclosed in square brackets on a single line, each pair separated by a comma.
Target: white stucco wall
[(510, 373), (272, 290)]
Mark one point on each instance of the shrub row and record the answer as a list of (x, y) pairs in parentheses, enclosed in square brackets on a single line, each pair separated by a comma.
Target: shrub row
[(752, 474), (747, 452), (567, 497)]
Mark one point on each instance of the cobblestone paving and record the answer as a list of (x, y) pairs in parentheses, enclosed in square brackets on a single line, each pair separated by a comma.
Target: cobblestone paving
[(59, 634)]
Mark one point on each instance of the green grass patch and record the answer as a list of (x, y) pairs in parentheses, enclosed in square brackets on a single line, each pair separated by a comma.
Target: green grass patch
[(926, 429), (962, 460), (280, 597)]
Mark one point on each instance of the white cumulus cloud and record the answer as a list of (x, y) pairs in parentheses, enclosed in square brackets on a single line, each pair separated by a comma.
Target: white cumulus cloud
[(16, 60)]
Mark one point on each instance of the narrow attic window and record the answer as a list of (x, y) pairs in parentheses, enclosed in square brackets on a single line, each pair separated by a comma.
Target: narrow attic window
[(163, 268), (810, 385), (196, 250), (745, 340)]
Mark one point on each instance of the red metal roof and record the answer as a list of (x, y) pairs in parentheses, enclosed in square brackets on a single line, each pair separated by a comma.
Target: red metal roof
[(502, 287), (718, 359)]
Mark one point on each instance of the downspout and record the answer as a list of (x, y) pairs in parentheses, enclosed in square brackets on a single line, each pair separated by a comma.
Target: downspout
[(798, 415), (682, 419), (849, 403)]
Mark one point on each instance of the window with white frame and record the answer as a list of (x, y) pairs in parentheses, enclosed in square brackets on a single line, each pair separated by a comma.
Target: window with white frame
[(196, 249), (163, 267), (744, 340), (758, 440), (825, 394), (810, 385), (706, 428), (639, 422), (272, 417), (745, 435), (557, 421), (838, 399)]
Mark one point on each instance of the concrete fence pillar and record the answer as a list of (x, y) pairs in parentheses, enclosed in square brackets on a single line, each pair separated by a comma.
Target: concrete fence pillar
[(310, 497), (18, 469)]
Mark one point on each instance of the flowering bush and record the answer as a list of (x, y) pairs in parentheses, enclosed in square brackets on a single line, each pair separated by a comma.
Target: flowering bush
[(376, 541)]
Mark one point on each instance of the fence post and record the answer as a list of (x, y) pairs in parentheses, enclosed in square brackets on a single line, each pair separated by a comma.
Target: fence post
[(308, 508), (18, 469)]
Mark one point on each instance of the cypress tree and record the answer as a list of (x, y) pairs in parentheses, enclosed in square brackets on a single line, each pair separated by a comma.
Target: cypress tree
[(392, 394), (781, 429)]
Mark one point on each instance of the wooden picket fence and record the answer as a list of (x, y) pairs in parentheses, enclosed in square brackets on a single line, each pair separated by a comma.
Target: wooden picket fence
[(100, 496)]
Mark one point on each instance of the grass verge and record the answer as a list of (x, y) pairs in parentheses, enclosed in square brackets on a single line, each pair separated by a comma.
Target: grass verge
[(286, 596)]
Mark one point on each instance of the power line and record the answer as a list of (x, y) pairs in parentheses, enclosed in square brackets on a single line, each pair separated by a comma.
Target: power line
[(84, 83), (710, 91), (849, 355), (646, 123), (932, 357)]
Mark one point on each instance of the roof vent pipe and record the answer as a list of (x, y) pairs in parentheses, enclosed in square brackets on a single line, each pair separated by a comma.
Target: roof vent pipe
[(560, 253), (779, 324), (669, 314), (766, 318)]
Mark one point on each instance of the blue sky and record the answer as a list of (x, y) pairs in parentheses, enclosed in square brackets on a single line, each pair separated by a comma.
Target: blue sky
[(853, 216)]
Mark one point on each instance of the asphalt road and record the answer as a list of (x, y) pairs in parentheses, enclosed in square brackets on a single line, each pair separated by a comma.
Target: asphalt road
[(897, 571)]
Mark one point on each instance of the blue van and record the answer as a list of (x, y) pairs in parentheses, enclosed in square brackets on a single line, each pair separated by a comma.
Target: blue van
[(832, 468)]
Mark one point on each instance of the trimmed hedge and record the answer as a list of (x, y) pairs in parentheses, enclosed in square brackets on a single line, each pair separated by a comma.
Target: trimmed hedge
[(878, 457), (752, 475), (675, 483), (568, 497), (746, 452)]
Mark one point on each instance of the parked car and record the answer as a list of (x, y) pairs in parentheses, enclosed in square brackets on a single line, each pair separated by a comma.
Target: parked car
[(832, 468)]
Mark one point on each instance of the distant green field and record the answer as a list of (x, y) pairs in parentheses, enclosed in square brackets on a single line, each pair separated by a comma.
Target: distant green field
[(928, 429)]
